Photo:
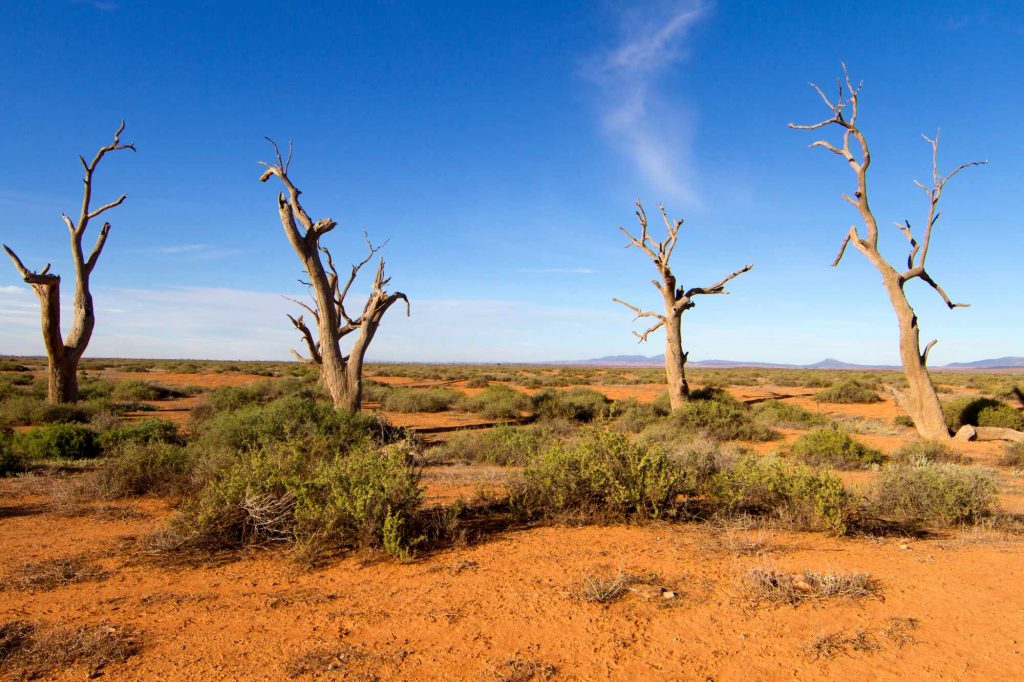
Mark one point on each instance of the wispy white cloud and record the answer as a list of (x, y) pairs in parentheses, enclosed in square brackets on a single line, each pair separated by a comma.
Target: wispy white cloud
[(13, 289), (220, 323), (653, 130), (183, 248), (197, 251)]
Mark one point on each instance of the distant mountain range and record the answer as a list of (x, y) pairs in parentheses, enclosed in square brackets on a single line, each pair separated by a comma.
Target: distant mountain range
[(827, 363)]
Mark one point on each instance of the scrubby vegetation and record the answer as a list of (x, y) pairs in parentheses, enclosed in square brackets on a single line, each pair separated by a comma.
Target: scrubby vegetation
[(497, 402), (832, 446), (58, 442), (977, 411), (927, 452), (420, 399), (1013, 455), (796, 494), (945, 494), (775, 413), (575, 404), (849, 391), (502, 445)]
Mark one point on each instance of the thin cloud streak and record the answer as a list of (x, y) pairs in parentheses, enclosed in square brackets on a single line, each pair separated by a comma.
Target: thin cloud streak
[(653, 131)]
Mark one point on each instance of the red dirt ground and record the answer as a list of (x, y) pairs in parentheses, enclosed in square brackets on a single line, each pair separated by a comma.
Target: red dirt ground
[(486, 611)]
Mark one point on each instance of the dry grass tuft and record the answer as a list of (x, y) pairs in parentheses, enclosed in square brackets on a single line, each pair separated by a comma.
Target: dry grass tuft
[(832, 644), (900, 630), (794, 588), (322, 661), (29, 651), (520, 669), (602, 589), (54, 573)]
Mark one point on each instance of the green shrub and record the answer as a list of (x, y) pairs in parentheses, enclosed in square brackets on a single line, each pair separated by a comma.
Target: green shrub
[(144, 431), (796, 493), (477, 382), (11, 461), (143, 467), (776, 413), (279, 493), (421, 399), (497, 402), (291, 419), (1013, 455), (376, 392), (662, 404), (927, 452), (849, 391), (503, 445), (58, 441), (938, 493), (832, 446), (632, 416), (576, 404), (600, 473), (981, 412), (903, 420), (142, 390), (722, 418)]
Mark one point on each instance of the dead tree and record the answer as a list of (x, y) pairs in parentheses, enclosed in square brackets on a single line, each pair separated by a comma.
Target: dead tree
[(341, 374), (64, 353), (920, 401), (677, 300)]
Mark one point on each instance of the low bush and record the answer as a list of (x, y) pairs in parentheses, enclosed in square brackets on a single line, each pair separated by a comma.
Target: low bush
[(598, 474), (776, 413), (834, 447), (632, 416), (292, 419), (144, 431), (497, 402), (376, 392), (849, 391), (11, 461), (58, 442), (421, 399), (793, 588), (805, 497), (932, 493), (144, 467), (981, 412), (279, 493), (503, 445), (576, 404), (927, 452), (142, 390), (1013, 455), (721, 417), (477, 382)]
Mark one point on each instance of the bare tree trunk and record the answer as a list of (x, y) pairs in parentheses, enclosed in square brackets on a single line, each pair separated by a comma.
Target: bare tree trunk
[(63, 354), (675, 363), (341, 375), (677, 300), (921, 402)]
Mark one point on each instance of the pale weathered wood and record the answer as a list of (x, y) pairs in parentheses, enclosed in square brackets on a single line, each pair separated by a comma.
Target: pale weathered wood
[(676, 299), (341, 374), (63, 354), (920, 401)]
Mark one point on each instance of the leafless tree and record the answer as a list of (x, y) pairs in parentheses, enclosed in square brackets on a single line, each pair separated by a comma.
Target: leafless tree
[(677, 300), (64, 353), (920, 401), (341, 374)]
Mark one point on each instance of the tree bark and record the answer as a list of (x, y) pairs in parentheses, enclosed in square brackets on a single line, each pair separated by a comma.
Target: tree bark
[(675, 363), (63, 354), (920, 401), (341, 375)]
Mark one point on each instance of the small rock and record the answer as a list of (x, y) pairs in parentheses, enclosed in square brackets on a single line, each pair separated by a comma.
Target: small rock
[(668, 595)]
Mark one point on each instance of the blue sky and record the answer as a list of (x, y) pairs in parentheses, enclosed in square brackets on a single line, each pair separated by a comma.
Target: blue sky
[(498, 146)]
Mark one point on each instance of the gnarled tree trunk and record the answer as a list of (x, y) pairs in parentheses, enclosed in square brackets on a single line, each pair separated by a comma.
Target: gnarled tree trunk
[(677, 300), (341, 374), (920, 401), (63, 354)]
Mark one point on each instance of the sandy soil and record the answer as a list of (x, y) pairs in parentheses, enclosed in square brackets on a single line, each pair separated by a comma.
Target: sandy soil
[(951, 606), (466, 613)]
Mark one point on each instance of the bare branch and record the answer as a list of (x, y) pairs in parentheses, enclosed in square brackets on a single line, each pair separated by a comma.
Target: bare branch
[(842, 247), (927, 350), (639, 312), (643, 337), (307, 335), (101, 239), (107, 207), (718, 287), (945, 298)]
